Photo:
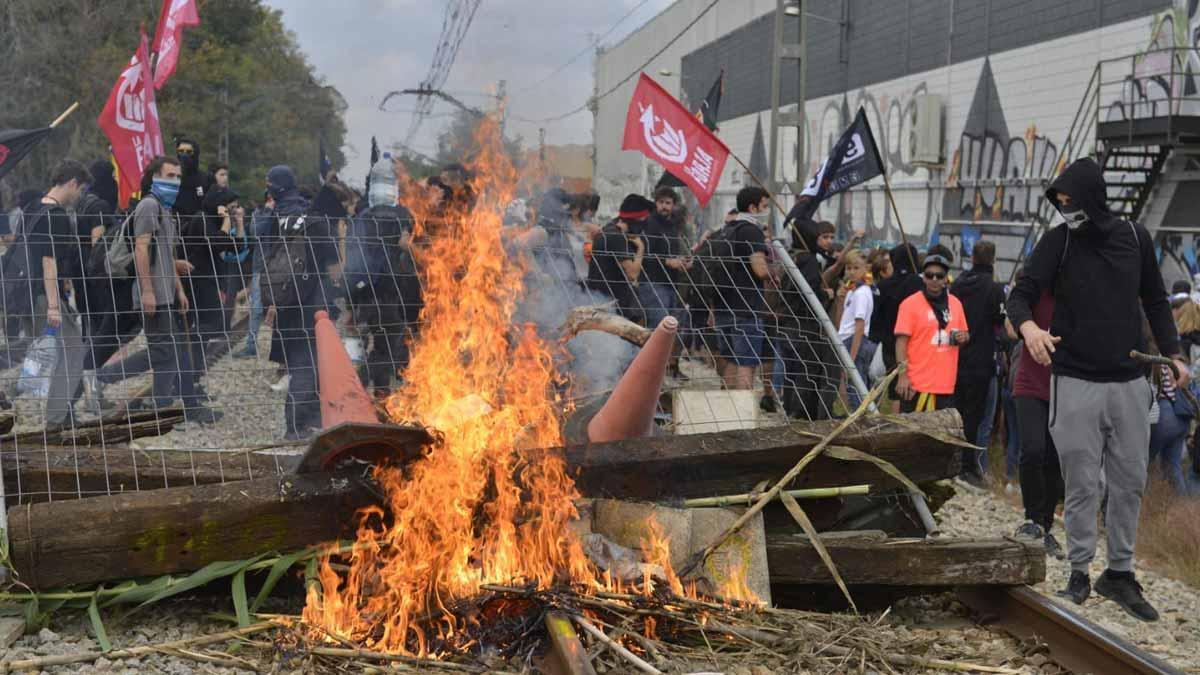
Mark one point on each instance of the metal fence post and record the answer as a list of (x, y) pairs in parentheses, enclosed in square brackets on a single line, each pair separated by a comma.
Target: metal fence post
[(852, 375)]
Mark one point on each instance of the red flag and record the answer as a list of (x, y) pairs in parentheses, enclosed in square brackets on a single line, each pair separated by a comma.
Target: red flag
[(174, 17), (666, 132), (130, 120)]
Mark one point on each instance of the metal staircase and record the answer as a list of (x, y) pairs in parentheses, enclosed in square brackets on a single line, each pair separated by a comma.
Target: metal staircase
[(1132, 116)]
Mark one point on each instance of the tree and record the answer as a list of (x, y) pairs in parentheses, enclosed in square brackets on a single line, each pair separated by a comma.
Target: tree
[(241, 77)]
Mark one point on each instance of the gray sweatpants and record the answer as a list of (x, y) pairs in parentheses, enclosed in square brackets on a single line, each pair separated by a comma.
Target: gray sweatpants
[(1101, 427)]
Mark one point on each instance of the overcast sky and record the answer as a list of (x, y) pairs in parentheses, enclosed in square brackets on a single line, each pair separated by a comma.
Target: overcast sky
[(367, 48)]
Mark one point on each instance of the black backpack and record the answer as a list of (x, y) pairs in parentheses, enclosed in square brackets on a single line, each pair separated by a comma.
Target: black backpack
[(287, 270), (17, 290), (713, 256)]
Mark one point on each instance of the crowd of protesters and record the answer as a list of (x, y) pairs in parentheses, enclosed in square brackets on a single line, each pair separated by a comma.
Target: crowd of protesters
[(1044, 366)]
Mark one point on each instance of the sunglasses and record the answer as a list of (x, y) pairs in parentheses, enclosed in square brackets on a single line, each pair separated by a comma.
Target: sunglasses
[(187, 153), (935, 276)]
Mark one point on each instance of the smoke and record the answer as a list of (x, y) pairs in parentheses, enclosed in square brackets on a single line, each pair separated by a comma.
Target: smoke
[(595, 360)]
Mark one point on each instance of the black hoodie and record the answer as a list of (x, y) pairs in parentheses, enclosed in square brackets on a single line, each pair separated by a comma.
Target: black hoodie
[(982, 299), (194, 185), (1102, 275), (889, 294)]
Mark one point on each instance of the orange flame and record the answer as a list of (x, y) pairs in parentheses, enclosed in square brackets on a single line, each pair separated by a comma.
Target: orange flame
[(479, 507)]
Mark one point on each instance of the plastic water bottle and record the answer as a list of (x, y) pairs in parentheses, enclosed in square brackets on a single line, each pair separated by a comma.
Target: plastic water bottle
[(39, 365), (382, 188)]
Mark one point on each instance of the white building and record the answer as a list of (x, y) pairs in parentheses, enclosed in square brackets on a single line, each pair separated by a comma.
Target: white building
[(974, 105)]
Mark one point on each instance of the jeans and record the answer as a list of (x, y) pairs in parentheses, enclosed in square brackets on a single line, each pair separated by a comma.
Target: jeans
[(302, 408), (973, 394), (1167, 439), (862, 363), (256, 315), (170, 358), (1012, 449), (658, 301), (984, 439)]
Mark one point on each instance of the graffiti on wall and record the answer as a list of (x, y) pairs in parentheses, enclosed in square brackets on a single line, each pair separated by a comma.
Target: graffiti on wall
[(995, 175)]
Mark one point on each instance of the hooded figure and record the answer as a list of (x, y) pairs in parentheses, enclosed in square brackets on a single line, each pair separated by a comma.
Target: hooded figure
[(205, 240), (104, 185), (195, 183), (1103, 274), (890, 293)]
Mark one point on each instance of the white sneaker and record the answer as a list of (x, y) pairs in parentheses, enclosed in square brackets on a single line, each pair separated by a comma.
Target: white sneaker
[(282, 384)]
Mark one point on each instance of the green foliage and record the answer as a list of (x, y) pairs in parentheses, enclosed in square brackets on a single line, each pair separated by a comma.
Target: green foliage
[(241, 75)]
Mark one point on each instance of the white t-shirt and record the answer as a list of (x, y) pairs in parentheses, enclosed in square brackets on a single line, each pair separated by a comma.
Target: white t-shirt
[(859, 304)]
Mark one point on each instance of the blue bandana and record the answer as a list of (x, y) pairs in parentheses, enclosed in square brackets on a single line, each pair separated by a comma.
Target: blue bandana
[(166, 190)]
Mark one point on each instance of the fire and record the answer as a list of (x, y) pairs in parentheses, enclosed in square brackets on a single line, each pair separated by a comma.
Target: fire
[(480, 507), (486, 504)]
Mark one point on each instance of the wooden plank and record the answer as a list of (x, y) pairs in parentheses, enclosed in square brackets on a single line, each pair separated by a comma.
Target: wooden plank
[(909, 562), (567, 655), (178, 529), (733, 462), (34, 474), (11, 630)]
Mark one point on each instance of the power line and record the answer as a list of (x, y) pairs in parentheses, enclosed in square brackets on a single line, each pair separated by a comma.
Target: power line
[(576, 111), (456, 21), (587, 49)]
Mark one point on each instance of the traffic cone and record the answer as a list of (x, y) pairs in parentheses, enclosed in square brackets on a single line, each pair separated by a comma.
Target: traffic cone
[(629, 411), (343, 397)]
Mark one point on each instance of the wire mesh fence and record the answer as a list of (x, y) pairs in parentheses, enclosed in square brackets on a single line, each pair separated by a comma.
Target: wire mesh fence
[(216, 378)]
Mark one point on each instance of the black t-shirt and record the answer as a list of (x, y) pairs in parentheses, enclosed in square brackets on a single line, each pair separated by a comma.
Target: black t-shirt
[(609, 248), (662, 242), (739, 290), (50, 234)]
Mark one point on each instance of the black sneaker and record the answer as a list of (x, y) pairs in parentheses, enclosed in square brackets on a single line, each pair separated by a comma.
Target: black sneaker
[(1053, 548), (1079, 587), (1030, 531), (767, 404), (1123, 589)]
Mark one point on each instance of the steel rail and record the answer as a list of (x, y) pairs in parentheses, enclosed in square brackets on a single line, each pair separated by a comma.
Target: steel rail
[(1075, 642)]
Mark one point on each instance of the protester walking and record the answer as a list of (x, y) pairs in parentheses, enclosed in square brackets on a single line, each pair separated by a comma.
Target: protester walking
[(982, 299), (930, 328), (810, 381), (161, 295), (1039, 472), (52, 251), (664, 263), (1104, 274)]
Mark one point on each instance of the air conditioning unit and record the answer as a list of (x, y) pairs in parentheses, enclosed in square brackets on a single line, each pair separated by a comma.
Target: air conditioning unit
[(925, 137)]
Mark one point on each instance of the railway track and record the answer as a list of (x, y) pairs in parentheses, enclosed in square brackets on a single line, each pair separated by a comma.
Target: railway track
[(1075, 642)]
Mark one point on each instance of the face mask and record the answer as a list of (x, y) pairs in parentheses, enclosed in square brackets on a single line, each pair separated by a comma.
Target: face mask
[(1073, 215), (276, 193), (166, 190)]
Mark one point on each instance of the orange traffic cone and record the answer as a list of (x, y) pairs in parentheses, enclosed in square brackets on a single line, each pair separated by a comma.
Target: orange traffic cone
[(629, 411), (343, 397)]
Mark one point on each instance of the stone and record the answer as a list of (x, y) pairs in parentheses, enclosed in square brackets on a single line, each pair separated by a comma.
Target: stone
[(46, 635)]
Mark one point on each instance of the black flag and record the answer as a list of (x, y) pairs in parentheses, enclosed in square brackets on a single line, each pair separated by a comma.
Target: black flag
[(374, 158), (854, 159), (707, 114), (16, 143), (324, 165)]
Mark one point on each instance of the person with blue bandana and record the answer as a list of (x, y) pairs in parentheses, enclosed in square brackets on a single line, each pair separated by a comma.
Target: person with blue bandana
[(159, 291)]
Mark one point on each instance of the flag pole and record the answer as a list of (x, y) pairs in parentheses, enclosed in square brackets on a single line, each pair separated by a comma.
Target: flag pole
[(770, 194), (887, 187), (66, 113)]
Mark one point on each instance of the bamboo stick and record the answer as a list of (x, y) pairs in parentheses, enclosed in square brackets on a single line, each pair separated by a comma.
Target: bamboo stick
[(616, 646), (867, 403), (749, 497), (398, 658), (65, 114)]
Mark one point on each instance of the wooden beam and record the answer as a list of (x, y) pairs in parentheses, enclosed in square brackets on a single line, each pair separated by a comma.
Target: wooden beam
[(909, 562), (730, 462), (87, 541), (35, 474)]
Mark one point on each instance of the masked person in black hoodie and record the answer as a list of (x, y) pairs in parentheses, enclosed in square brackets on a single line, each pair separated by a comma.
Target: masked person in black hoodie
[(982, 298), (809, 384), (195, 183), (303, 247), (905, 281), (1103, 273), (205, 240)]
